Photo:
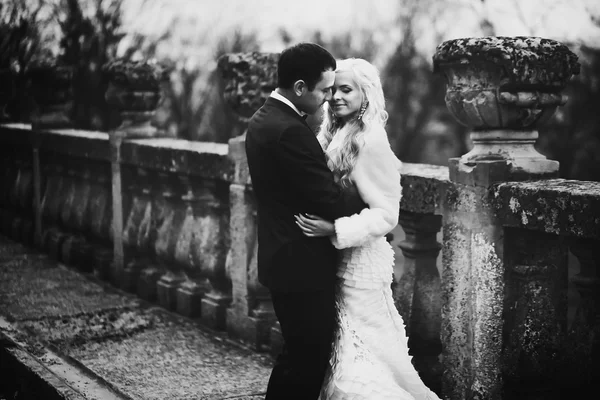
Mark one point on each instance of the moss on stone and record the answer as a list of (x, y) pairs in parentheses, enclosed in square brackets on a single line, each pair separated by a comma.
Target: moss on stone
[(526, 60)]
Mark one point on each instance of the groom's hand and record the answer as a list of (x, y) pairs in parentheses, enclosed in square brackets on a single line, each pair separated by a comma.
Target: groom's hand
[(314, 226)]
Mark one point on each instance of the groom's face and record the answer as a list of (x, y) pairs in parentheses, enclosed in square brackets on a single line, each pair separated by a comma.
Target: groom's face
[(314, 99)]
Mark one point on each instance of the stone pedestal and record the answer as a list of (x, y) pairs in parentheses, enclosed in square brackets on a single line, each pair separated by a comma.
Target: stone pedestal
[(134, 88), (102, 263), (249, 78), (214, 309), (146, 288), (189, 299), (472, 288), (514, 146), (502, 88), (131, 275), (166, 290)]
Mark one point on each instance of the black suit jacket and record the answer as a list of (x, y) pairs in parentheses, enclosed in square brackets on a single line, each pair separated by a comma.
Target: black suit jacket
[(290, 176)]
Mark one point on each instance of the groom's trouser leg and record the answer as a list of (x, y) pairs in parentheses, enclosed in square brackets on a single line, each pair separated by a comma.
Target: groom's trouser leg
[(307, 322)]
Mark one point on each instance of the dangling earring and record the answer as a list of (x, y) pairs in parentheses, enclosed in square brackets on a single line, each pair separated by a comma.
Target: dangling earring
[(362, 110)]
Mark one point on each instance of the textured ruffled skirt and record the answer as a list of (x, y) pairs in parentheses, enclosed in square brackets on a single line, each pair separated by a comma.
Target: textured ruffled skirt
[(370, 358)]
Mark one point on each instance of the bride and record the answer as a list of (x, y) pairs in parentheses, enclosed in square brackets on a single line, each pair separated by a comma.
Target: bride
[(370, 358)]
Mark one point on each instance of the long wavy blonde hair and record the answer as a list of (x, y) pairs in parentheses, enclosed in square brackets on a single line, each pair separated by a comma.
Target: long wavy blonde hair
[(343, 159)]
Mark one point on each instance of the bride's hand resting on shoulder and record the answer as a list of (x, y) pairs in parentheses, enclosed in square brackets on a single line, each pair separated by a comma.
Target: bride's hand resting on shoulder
[(314, 226)]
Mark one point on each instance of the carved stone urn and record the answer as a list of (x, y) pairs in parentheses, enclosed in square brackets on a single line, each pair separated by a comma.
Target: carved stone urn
[(134, 89), (51, 86), (502, 88), (249, 79)]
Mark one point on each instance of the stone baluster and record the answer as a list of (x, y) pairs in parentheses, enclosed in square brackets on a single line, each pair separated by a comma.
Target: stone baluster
[(40, 180), (535, 314), (418, 293), (197, 245), (98, 211), (21, 200), (75, 250), (5, 183), (134, 88), (172, 217), (139, 208), (249, 78), (54, 187), (213, 248), (82, 250), (136, 231), (57, 186), (4, 176), (82, 201), (166, 240), (501, 87), (251, 314), (11, 179), (150, 272), (70, 194), (584, 333)]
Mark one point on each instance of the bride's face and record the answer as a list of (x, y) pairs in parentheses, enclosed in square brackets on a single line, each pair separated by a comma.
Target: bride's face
[(347, 97)]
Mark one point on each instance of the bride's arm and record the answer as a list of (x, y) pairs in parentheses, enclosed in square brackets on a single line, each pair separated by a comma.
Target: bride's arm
[(377, 178)]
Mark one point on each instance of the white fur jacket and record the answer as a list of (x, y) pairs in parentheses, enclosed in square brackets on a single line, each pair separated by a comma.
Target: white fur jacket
[(377, 177)]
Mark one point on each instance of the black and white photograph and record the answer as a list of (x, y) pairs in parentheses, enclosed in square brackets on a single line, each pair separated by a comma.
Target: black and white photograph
[(299, 199)]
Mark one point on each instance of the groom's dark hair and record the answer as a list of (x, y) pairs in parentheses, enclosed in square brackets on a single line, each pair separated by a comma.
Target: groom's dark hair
[(303, 61)]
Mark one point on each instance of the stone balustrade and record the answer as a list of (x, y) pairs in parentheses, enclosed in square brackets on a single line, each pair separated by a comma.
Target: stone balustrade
[(175, 222)]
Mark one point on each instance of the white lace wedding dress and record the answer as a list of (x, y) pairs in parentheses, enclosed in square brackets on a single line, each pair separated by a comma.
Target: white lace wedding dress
[(370, 360)]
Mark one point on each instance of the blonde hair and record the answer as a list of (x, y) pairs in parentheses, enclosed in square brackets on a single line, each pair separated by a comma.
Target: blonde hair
[(343, 159)]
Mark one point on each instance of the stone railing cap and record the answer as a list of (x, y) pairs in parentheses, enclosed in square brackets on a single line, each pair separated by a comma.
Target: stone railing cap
[(423, 188), (557, 206), (206, 160)]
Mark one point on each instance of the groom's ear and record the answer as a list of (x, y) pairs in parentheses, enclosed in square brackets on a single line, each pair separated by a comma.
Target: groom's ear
[(299, 87)]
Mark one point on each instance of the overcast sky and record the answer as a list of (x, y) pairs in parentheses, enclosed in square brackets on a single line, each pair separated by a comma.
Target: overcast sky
[(565, 20)]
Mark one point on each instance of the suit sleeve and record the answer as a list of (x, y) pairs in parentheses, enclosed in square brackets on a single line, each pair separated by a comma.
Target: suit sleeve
[(301, 155), (377, 177)]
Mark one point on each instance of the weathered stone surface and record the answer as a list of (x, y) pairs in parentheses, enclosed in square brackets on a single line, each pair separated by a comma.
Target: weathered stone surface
[(17, 134), (535, 313), (134, 89), (76, 143), (504, 83), (135, 75), (472, 296), (557, 206), (206, 160), (423, 188), (417, 293), (189, 298), (456, 318), (526, 60), (237, 156)]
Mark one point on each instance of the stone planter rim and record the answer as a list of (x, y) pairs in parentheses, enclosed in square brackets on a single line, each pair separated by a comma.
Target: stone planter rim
[(522, 57), (143, 75)]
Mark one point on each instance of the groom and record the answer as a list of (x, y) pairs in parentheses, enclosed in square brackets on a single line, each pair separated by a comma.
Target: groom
[(290, 175)]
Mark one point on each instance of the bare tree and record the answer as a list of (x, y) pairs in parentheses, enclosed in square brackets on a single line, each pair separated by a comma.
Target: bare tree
[(415, 96)]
